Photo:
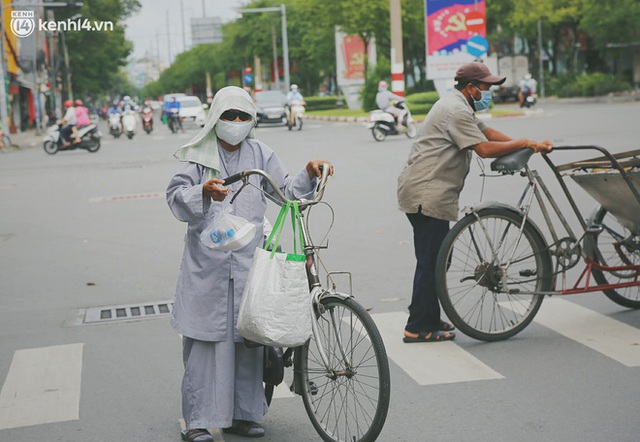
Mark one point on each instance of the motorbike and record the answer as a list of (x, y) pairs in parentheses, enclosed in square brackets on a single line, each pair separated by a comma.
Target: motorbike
[(529, 99), (174, 120), (89, 139), (147, 119), (115, 128), (129, 123), (295, 114), (383, 124)]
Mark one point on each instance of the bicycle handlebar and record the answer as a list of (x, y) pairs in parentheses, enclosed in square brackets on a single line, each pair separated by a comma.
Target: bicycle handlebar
[(246, 173)]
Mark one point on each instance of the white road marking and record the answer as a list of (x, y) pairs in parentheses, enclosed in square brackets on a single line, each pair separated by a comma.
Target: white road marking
[(430, 363), (614, 339), (42, 386)]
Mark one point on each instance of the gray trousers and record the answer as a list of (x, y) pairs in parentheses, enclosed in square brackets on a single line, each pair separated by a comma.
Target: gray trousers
[(222, 381)]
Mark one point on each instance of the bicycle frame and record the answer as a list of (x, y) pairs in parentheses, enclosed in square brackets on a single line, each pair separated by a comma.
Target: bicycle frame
[(563, 252), (315, 287)]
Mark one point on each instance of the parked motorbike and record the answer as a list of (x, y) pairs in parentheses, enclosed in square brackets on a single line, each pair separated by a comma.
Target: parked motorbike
[(295, 114), (89, 139), (383, 124), (115, 128), (129, 123), (147, 119), (174, 120)]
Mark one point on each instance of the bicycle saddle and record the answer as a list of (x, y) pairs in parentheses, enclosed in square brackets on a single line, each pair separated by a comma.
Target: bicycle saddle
[(512, 162)]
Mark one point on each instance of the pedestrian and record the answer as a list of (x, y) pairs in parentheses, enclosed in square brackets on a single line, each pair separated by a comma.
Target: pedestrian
[(222, 382), (429, 186)]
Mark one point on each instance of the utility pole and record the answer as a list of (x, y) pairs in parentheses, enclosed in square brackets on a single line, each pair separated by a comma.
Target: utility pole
[(168, 38), (397, 59)]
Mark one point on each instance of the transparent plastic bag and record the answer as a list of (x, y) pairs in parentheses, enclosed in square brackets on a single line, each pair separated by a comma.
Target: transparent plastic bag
[(227, 232)]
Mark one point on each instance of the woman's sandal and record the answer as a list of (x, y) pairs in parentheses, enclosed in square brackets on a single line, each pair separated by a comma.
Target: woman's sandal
[(245, 428), (196, 435), (435, 336)]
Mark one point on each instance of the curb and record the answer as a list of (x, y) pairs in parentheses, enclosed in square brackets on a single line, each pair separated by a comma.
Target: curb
[(337, 119)]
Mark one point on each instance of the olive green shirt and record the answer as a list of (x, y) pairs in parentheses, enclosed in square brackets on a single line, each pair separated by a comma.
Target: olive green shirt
[(439, 160)]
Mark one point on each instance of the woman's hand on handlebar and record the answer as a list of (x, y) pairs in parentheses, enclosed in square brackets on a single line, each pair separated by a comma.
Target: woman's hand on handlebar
[(313, 168), (214, 190)]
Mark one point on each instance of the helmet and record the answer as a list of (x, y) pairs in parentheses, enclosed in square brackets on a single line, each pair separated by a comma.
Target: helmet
[(126, 98), (383, 84), (294, 87), (78, 102), (68, 103), (527, 77)]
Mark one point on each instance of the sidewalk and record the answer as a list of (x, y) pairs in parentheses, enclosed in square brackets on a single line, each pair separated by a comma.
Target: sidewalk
[(24, 140)]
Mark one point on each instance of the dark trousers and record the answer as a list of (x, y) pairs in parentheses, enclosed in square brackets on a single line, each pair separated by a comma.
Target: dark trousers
[(65, 132), (428, 235)]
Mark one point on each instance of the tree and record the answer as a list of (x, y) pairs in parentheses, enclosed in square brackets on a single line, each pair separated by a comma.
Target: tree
[(95, 56)]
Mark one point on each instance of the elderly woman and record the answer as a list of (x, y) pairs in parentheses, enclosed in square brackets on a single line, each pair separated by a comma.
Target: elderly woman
[(222, 383)]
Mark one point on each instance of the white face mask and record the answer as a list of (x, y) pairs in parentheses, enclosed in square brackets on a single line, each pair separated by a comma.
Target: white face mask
[(233, 132)]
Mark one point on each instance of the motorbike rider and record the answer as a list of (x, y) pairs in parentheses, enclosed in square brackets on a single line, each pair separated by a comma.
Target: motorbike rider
[(527, 86), (127, 105), (173, 104), (293, 96), (68, 124), (82, 114), (386, 101), (146, 110)]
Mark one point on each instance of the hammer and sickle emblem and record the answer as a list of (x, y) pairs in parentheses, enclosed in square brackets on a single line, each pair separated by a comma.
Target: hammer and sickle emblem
[(456, 23)]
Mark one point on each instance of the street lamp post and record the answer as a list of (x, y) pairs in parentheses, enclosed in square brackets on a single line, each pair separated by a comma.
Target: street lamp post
[(285, 44)]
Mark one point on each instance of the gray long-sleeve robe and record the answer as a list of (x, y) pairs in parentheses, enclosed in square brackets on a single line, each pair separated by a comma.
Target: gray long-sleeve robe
[(200, 307)]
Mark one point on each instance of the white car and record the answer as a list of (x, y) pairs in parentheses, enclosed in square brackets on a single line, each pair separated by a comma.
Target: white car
[(192, 110)]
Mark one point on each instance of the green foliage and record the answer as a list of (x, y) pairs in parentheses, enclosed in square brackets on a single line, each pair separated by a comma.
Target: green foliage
[(96, 56), (311, 25), (381, 72), (585, 85), (321, 103), (422, 102)]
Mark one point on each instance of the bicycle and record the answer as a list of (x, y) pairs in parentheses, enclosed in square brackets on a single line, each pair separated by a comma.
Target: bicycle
[(342, 372), (495, 265), (5, 141)]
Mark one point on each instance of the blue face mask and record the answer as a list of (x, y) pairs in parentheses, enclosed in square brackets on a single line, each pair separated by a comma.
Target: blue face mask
[(484, 102)]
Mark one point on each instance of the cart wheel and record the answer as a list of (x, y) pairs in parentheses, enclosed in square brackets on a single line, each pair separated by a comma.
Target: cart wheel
[(470, 273), (614, 246)]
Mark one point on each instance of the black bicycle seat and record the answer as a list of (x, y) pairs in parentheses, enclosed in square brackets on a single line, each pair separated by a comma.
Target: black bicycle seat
[(512, 162)]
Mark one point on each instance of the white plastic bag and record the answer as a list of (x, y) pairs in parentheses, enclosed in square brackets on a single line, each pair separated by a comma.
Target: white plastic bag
[(276, 306), (228, 232)]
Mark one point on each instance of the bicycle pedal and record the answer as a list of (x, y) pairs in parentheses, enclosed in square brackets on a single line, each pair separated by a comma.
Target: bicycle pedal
[(313, 388)]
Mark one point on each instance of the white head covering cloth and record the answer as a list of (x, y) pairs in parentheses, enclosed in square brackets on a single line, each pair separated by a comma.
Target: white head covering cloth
[(203, 148)]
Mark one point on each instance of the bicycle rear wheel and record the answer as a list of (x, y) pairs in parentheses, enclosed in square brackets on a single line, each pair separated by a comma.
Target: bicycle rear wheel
[(614, 246), (348, 403), (471, 271)]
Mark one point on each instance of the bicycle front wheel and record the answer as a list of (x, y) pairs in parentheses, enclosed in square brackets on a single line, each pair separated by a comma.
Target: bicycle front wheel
[(347, 401), (615, 246), (488, 274)]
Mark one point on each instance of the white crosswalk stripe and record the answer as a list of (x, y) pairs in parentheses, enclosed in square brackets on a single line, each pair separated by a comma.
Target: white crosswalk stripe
[(614, 339), (429, 364), (42, 386)]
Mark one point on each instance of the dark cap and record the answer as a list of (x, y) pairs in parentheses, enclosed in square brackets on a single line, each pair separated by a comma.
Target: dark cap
[(477, 72)]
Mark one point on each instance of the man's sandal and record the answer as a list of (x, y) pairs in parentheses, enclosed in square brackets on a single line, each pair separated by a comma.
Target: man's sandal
[(245, 428), (445, 326), (435, 336), (196, 435)]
